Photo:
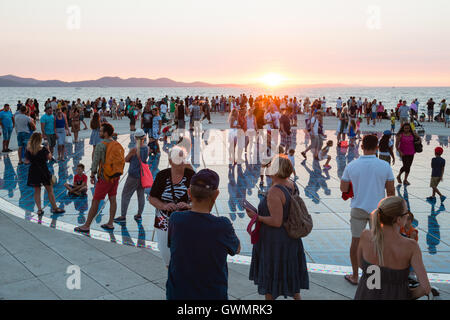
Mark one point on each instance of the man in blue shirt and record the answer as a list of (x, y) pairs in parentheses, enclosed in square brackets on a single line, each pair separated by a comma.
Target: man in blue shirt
[(199, 244), (7, 123), (48, 128)]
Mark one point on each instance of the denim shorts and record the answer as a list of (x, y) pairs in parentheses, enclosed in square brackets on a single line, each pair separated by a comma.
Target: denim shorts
[(7, 133), (22, 139)]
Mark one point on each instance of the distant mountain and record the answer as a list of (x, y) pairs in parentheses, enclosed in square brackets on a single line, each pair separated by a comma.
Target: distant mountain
[(116, 82), (14, 81)]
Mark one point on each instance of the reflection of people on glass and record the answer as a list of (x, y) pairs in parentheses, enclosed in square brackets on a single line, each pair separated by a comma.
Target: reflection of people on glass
[(9, 177), (434, 234), (316, 181)]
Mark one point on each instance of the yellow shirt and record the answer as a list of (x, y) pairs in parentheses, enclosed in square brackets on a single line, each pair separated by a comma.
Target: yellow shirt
[(392, 120)]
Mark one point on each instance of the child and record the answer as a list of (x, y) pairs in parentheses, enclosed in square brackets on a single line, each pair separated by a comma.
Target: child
[(386, 148), (408, 230), (352, 132), (153, 145), (323, 154), (393, 118), (358, 128), (438, 166), (79, 187), (292, 159)]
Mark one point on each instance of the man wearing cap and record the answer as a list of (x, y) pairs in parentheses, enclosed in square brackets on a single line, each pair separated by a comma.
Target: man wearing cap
[(48, 128), (437, 174), (199, 244)]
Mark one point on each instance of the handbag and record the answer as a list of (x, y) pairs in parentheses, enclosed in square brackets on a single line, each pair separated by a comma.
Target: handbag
[(68, 140), (254, 234), (418, 147), (146, 174)]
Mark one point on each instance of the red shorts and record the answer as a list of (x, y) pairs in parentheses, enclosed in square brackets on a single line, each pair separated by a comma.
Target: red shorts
[(103, 188)]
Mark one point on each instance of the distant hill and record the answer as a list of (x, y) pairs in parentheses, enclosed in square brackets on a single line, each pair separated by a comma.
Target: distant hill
[(14, 81), (116, 82)]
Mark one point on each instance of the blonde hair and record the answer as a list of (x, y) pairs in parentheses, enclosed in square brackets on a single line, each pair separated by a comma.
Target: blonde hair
[(389, 209), (34, 144), (281, 166)]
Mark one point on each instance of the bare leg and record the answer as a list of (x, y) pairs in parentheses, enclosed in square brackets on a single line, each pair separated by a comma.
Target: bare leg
[(354, 258), (112, 211), (91, 214), (19, 151), (37, 197), (51, 197), (297, 296)]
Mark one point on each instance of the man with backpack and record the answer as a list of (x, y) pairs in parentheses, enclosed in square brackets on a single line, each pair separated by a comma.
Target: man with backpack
[(108, 164)]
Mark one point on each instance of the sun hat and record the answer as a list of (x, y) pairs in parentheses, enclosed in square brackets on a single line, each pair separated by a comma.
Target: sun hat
[(139, 133)]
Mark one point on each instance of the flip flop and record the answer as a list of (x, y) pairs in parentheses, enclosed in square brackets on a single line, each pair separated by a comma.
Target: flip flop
[(106, 227), (347, 277), (78, 229), (59, 210), (138, 217), (120, 219), (40, 212)]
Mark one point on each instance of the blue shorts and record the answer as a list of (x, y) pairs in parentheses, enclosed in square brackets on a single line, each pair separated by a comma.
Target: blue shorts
[(7, 133), (374, 115), (22, 139)]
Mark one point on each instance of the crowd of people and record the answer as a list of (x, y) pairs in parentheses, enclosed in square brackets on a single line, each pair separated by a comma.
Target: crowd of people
[(183, 198)]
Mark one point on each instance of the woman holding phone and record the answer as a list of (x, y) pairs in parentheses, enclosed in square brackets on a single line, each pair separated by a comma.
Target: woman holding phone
[(278, 265)]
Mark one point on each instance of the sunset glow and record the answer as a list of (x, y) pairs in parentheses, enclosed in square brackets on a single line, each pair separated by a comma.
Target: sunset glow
[(272, 79), (242, 42)]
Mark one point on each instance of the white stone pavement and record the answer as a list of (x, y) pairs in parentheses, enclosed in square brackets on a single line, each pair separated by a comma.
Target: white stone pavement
[(34, 260)]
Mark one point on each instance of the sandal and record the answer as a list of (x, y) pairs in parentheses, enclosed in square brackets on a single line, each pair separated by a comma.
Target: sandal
[(106, 227), (349, 279), (120, 219), (78, 229), (40, 212), (58, 210)]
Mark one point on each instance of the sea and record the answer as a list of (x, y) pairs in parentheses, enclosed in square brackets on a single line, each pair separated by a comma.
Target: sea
[(389, 96)]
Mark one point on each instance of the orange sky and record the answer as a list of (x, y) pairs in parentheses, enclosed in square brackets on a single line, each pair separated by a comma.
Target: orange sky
[(353, 42)]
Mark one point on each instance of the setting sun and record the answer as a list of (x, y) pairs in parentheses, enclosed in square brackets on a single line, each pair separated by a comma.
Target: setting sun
[(272, 79)]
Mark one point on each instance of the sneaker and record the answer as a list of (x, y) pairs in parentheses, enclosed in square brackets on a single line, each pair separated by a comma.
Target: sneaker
[(327, 167), (431, 199), (443, 198)]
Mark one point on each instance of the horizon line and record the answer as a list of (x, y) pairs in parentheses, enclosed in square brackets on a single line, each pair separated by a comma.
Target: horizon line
[(248, 85)]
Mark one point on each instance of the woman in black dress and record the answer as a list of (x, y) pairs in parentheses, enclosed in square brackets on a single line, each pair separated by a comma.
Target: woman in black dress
[(38, 173)]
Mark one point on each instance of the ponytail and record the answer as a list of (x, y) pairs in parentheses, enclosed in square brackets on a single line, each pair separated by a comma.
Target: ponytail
[(378, 238)]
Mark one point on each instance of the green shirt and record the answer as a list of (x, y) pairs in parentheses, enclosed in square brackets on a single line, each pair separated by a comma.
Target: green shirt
[(99, 157)]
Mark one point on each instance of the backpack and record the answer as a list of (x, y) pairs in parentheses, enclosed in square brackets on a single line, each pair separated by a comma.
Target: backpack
[(114, 161), (299, 222)]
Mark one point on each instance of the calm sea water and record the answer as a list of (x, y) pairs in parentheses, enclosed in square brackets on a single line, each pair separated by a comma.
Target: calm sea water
[(389, 96)]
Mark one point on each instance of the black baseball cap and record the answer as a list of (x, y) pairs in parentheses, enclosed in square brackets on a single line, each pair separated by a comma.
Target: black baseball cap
[(206, 178)]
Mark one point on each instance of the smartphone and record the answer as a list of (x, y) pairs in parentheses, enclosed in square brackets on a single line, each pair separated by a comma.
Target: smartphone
[(249, 206)]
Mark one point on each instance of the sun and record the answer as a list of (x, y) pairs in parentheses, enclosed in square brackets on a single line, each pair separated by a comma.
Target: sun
[(272, 79)]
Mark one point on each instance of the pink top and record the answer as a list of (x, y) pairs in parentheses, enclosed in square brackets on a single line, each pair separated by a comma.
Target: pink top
[(380, 108), (407, 145)]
